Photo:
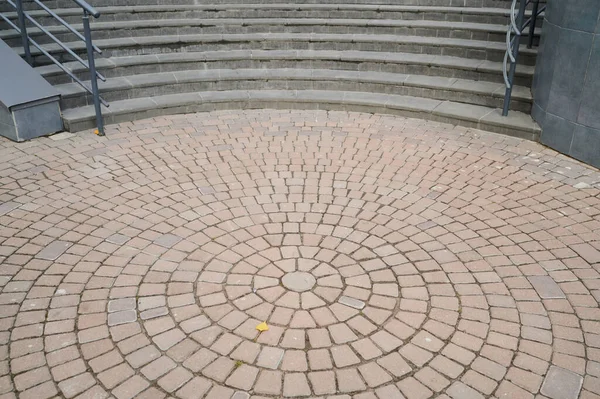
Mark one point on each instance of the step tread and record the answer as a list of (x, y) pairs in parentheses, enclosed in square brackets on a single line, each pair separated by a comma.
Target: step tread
[(352, 56), (277, 6), (69, 90), (482, 116), (198, 22)]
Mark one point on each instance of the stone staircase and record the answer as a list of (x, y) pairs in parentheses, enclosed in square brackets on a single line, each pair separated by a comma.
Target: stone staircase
[(435, 59)]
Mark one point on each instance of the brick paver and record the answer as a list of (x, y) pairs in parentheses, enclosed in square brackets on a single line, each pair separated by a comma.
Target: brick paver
[(390, 258)]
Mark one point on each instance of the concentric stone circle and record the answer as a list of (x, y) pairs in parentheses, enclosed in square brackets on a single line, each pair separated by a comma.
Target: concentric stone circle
[(389, 258), (298, 281), (368, 305)]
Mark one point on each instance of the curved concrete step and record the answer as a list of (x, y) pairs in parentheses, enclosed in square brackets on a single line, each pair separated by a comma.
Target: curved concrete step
[(405, 63), (516, 124), (278, 10), (439, 88), (443, 3), (56, 4), (471, 49), (184, 26)]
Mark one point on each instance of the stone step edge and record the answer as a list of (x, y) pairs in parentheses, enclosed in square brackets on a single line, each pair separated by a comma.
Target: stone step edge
[(494, 90), (293, 37), (280, 6), (516, 124), (222, 22), (443, 61)]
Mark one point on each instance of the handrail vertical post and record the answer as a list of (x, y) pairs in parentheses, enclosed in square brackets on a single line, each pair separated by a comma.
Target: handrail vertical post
[(93, 76), (515, 52), (23, 27), (534, 14)]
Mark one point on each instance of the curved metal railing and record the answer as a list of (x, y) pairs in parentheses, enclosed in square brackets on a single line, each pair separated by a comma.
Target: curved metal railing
[(513, 22), (90, 64), (513, 41)]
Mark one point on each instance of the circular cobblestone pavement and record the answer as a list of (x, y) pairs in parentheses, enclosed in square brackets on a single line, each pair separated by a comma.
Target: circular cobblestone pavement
[(389, 257)]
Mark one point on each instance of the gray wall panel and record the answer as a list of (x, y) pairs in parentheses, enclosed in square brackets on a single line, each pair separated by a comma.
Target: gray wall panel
[(566, 85)]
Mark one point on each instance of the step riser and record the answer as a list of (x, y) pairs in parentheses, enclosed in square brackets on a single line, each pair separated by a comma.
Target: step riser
[(189, 30), (473, 54), (54, 4), (490, 55), (409, 69), (275, 84)]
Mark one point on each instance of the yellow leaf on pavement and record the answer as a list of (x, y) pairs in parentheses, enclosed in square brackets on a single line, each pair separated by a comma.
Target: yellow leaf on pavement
[(262, 326)]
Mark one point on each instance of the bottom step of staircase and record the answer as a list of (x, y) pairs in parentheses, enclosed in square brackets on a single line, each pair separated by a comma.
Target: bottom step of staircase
[(516, 124)]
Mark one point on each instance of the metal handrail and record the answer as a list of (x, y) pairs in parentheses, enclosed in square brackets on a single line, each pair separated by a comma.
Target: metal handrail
[(88, 10), (509, 43), (64, 23), (59, 42), (52, 58), (516, 27), (507, 82), (512, 17), (536, 11)]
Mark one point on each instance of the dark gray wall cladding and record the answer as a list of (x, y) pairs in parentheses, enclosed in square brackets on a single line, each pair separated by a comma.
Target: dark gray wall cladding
[(566, 84)]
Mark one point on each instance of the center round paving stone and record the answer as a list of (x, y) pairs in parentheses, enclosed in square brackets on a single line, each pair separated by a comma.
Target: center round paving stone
[(299, 281), (389, 258)]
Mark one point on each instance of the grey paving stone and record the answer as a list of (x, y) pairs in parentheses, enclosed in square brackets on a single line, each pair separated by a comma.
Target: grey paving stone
[(561, 384), (546, 287), (167, 240), (207, 190), (117, 305), (95, 152), (53, 250), (38, 169), (298, 281), (8, 206), (126, 316), (240, 395), (118, 239), (270, 357), (427, 225), (353, 303)]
